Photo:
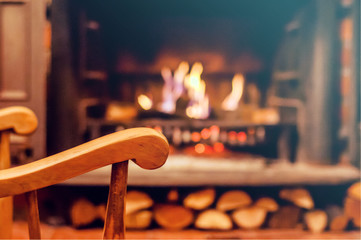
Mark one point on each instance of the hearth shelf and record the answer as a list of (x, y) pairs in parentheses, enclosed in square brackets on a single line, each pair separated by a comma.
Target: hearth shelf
[(185, 170)]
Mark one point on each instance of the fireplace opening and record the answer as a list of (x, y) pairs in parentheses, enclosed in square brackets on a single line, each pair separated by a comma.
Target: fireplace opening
[(234, 85), (199, 72)]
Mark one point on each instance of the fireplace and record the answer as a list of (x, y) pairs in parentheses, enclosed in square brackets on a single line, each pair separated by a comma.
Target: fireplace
[(200, 72), (258, 99), (229, 82)]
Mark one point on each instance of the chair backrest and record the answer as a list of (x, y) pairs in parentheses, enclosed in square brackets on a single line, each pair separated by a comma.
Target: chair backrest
[(18, 120), (144, 146)]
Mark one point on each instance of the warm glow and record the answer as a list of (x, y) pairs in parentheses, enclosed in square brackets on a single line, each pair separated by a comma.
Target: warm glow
[(199, 148), (205, 133), (145, 102), (179, 76), (230, 103), (232, 136), (196, 136), (218, 147), (214, 133), (199, 102), (242, 137), (214, 129), (173, 87)]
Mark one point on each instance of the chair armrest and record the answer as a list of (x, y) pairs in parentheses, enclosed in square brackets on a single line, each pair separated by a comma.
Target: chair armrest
[(19, 119), (145, 146)]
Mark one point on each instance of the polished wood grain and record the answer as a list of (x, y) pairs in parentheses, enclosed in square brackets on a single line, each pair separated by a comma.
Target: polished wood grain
[(114, 225), (6, 204), (33, 214), (146, 147), (19, 119), (6, 217)]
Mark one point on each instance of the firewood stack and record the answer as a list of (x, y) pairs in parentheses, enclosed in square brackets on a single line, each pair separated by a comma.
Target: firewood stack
[(205, 210)]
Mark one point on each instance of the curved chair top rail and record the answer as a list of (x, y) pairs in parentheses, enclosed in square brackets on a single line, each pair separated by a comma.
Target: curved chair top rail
[(146, 147), (19, 119)]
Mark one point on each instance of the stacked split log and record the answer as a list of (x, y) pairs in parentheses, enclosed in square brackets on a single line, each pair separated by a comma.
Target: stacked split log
[(213, 219), (172, 216), (83, 212), (137, 215), (337, 219), (316, 221), (208, 218), (206, 210)]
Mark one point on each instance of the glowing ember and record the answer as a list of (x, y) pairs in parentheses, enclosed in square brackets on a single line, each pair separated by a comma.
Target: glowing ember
[(145, 102), (242, 137), (230, 103), (218, 147), (173, 87), (214, 133), (196, 136), (205, 133), (198, 106), (199, 148), (232, 136)]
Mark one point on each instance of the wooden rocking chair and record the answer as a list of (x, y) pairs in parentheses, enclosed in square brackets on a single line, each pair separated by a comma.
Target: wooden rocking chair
[(144, 146)]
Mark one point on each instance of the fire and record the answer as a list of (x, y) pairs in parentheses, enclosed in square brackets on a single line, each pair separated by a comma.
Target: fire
[(198, 106), (230, 103), (173, 87), (145, 102)]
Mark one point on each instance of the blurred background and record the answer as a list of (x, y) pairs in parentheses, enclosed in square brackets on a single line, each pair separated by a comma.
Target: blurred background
[(256, 97)]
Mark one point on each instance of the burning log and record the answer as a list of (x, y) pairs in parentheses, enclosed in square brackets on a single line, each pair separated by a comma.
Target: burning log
[(285, 217), (173, 217), (316, 221), (139, 220), (249, 218), (232, 200), (300, 197), (83, 212), (267, 203), (136, 201), (200, 200), (213, 219)]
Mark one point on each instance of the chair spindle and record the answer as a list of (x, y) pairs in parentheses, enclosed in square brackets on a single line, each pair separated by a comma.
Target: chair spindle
[(114, 226), (6, 203), (33, 214)]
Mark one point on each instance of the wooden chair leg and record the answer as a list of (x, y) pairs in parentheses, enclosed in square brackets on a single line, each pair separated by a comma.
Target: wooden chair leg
[(6, 217), (114, 226), (33, 215), (6, 204)]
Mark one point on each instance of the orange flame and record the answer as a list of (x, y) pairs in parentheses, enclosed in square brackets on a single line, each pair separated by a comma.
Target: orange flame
[(145, 102), (230, 103), (173, 86), (199, 102)]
